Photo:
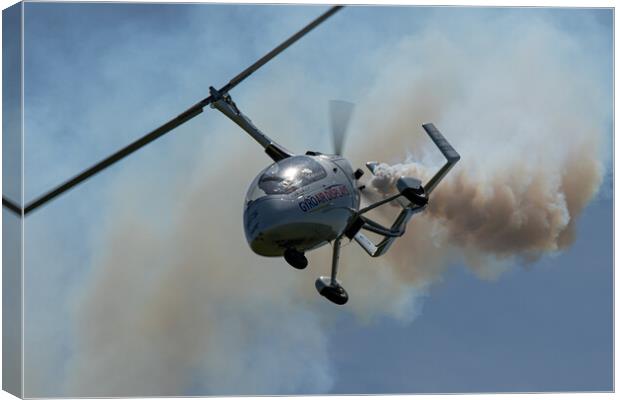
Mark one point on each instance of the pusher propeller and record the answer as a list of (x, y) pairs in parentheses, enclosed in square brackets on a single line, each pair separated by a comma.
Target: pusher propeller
[(339, 117)]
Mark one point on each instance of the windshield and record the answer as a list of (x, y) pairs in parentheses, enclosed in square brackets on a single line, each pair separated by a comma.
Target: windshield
[(286, 176)]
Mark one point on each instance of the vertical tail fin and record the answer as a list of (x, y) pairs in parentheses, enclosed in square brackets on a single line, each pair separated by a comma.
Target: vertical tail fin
[(452, 157)]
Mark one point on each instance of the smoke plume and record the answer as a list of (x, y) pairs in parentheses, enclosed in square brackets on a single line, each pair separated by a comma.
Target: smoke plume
[(184, 307)]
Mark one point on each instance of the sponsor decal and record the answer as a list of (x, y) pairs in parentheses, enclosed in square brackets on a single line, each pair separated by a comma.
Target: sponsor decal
[(323, 196)]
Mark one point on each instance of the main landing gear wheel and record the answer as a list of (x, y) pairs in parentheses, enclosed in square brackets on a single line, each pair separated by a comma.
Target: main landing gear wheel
[(333, 292), (295, 258)]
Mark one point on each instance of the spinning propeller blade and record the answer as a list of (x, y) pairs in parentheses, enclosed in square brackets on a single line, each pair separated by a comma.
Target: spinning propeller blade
[(165, 128), (339, 117)]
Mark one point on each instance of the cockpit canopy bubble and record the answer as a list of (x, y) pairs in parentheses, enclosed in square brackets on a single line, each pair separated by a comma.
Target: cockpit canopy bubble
[(286, 176)]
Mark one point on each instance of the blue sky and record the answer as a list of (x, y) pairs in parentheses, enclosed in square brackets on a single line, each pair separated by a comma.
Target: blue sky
[(130, 271), (540, 331)]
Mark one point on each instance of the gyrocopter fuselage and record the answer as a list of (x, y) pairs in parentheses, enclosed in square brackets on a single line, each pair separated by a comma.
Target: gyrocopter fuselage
[(301, 201)]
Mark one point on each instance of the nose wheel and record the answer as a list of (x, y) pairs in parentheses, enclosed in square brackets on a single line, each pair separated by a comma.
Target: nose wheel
[(295, 258), (328, 286)]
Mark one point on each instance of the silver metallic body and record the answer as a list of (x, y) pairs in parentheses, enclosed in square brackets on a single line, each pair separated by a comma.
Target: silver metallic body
[(307, 217)]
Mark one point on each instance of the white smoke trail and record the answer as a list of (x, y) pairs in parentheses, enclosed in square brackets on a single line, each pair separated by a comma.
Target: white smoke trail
[(530, 129), (189, 309)]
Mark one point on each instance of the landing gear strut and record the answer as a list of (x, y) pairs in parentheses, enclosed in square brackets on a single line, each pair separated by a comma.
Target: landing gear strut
[(295, 258), (329, 287)]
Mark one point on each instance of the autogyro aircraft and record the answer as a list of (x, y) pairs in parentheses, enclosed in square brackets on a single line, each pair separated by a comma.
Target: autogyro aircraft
[(299, 202)]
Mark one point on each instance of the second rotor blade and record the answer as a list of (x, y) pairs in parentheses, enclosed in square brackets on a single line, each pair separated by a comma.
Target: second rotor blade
[(119, 155)]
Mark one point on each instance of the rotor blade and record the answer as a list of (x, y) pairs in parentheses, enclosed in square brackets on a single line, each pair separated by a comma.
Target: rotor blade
[(11, 206), (248, 71), (119, 155), (339, 117), (168, 126)]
